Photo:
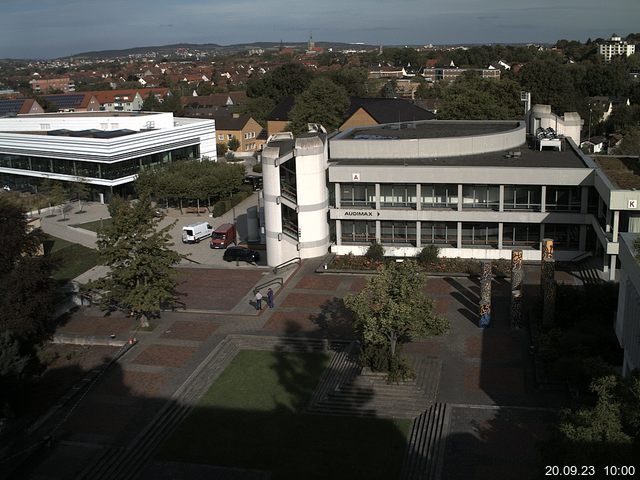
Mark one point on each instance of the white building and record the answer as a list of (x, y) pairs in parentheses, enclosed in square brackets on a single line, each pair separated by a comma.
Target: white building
[(475, 189), (615, 46), (628, 316), (103, 149)]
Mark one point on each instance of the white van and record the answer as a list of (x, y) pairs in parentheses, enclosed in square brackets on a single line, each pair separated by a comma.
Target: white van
[(195, 232)]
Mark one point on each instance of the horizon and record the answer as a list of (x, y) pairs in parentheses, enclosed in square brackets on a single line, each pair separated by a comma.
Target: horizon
[(65, 28)]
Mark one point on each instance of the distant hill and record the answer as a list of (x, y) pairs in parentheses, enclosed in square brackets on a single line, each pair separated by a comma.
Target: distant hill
[(168, 49)]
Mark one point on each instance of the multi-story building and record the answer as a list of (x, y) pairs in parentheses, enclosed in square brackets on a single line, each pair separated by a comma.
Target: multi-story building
[(449, 74), (45, 85), (103, 149), (475, 189), (615, 46)]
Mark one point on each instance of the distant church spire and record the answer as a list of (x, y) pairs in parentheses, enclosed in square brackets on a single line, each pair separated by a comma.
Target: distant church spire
[(311, 45)]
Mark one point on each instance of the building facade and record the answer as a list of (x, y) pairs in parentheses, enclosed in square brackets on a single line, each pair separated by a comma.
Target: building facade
[(474, 189), (104, 150), (627, 324), (615, 46)]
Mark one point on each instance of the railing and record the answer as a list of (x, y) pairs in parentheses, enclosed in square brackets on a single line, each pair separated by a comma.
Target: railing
[(286, 264), (273, 281)]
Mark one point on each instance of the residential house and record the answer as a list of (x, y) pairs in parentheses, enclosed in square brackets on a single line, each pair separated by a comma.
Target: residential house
[(212, 105), (615, 46), (73, 102), (19, 106), (242, 127), (45, 85)]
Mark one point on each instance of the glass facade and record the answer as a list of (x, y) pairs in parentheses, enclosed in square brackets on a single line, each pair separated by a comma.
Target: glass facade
[(565, 237), (481, 196), (484, 234), (101, 170), (439, 233), (521, 235), (522, 197), (397, 195), (288, 180), (358, 232), (398, 233), (563, 199), (289, 222), (361, 195), (439, 196)]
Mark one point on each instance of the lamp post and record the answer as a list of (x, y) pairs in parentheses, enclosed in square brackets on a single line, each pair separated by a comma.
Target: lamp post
[(590, 111)]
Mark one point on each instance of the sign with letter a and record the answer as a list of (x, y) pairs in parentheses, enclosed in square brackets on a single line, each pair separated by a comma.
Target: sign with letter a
[(355, 177)]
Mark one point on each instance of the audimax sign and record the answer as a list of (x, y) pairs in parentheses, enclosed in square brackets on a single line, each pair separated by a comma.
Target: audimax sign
[(360, 213)]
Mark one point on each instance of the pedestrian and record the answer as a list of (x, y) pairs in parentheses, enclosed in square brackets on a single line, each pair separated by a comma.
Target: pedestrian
[(270, 298), (258, 300)]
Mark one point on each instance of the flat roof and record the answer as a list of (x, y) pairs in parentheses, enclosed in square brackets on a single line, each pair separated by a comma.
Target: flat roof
[(528, 158), (87, 114), (624, 172), (429, 129)]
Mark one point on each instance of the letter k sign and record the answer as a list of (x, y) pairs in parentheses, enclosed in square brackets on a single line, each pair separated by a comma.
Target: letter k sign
[(632, 204)]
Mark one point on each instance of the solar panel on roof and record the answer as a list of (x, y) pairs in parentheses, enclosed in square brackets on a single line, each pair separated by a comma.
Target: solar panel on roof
[(65, 101), (10, 107)]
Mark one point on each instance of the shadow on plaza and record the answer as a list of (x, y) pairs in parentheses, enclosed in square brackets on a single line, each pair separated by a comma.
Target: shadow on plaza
[(255, 419)]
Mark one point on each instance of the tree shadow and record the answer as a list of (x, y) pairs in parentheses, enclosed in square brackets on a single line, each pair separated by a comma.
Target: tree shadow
[(467, 298), (334, 319)]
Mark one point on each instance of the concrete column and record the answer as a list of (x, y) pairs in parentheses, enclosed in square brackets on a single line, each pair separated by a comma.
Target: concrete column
[(459, 199), (605, 261), (616, 224), (584, 200), (378, 231), (459, 240), (582, 239), (612, 268), (418, 197), (377, 196), (500, 232), (543, 198), (338, 232), (337, 195), (418, 233), (608, 221), (501, 202)]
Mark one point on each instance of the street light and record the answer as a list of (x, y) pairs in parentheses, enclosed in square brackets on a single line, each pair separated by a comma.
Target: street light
[(590, 110)]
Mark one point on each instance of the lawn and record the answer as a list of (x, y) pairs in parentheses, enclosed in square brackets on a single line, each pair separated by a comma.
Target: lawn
[(252, 417), (72, 259), (93, 226)]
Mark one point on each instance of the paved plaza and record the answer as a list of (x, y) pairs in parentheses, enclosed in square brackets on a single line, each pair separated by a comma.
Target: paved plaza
[(485, 376)]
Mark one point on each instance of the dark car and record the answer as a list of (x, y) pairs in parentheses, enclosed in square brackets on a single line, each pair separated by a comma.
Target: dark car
[(254, 180), (240, 253)]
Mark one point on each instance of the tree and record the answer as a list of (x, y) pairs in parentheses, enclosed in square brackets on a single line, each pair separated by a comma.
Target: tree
[(630, 144), (353, 80), (142, 277), (375, 252), (233, 144), (287, 80), (26, 299), (392, 309), (258, 108), (80, 190), (151, 103), (323, 102), (550, 83), (471, 97)]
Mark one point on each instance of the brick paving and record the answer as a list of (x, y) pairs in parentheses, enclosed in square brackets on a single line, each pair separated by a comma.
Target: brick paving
[(165, 355), (93, 322), (189, 330)]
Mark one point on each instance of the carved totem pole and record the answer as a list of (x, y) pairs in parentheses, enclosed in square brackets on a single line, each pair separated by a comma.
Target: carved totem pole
[(517, 277), (485, 294), (548, 282)]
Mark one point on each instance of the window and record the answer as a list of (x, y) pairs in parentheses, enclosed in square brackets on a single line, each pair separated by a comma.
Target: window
[(229, 136), (481, 196), (485, 234), (393, 233), (289, 222), (439, 196), (522, 197), (521, 235), (397, 195), (439, 233), (361, 195), (359, 232), (565, 237), (221, 137), (45, 126), (563, 199)]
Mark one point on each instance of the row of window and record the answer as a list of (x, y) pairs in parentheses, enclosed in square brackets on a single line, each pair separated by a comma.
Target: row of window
[(472, 234), (516, 197), (107, 171)]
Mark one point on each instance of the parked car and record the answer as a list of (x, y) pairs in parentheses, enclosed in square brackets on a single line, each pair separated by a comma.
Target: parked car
[(254, 180), (241, 253), (223, 236)]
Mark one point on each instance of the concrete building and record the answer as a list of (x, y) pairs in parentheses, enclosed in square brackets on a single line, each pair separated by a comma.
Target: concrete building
[(475, 189), (615, 46), (627, 325), (104, 149), (45, 85)]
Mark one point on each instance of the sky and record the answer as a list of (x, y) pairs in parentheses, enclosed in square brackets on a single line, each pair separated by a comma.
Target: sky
[(57, 28)]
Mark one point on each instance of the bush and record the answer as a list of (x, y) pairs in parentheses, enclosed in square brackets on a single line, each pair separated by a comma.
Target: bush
[(428, 254), (221, 207), (375, 253), (257, 168)]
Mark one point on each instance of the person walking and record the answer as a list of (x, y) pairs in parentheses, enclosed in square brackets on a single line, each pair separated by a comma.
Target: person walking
[(270, 298), (258, 300)]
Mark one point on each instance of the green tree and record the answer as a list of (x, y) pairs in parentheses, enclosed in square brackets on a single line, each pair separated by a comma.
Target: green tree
[(141, 277), (323, 102), (258, 108), (375, 252), (26, 300), (630, 144), (353, 80), (233, 144), (80, 190), (391, 309), (151, 103), (471, 97), (287, 80), (550, 83)]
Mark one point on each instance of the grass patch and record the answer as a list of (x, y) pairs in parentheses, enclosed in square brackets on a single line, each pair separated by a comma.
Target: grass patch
[(252, 417), (95, 225), (71, 259)]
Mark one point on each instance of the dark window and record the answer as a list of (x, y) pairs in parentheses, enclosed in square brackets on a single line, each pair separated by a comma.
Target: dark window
[(439, 233), (521, 235)]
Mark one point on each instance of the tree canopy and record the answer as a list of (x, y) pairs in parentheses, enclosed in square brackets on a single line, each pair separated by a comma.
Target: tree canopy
[(392, 309), (323, 102), (141, 277), (287, 80)]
